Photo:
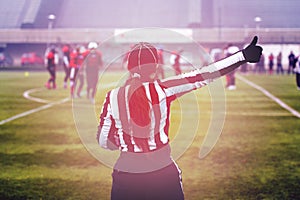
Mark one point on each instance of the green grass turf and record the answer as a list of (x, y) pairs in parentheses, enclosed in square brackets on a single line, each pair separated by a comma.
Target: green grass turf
[(256, 157)]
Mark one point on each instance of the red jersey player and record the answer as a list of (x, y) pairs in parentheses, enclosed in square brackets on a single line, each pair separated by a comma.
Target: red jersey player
[(66, 62), (77, 57), (51, 67), (93, 63)]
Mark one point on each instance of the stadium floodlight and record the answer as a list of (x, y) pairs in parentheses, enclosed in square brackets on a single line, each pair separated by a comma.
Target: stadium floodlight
[(257, 20), (51, 18)]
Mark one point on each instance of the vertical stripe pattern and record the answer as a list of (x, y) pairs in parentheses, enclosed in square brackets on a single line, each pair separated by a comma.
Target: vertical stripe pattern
[(115, 123)]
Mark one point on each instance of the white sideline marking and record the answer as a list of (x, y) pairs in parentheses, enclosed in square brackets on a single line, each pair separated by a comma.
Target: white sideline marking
[(26, 94), (271, 96), (49, 104), (34, 110)]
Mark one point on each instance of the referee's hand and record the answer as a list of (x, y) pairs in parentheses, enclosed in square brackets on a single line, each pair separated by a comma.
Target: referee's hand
[(252, 52)]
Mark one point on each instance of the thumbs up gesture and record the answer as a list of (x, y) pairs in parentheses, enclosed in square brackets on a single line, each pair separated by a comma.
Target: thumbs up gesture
[(252, 52)]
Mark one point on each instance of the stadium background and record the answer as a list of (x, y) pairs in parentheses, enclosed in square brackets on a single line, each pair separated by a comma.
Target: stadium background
[(155, 13), (42, 157), (104, 15)]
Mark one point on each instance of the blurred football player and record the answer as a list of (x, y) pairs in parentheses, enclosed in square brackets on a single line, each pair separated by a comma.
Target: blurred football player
[(93, 63)]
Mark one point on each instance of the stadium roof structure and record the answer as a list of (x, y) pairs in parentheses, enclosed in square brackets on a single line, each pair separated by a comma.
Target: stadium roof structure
[(155, 13)]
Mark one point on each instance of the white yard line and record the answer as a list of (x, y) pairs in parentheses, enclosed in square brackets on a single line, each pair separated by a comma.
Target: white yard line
[(34, 110), (27, 93), (49, 104), (271, 96)]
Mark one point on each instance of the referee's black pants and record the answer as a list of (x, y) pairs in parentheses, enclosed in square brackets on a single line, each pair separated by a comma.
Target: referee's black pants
[(162, 184)]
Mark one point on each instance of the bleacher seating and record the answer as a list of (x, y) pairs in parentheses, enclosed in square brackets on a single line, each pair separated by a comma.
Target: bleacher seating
[(31, 11), (10, 13)]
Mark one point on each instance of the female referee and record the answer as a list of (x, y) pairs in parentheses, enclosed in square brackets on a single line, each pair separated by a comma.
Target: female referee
[(135, 120)]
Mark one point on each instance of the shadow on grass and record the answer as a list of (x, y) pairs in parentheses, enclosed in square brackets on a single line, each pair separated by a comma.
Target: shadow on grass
[(283, 186), (41, 188), (227, 175), (75, 158), (272, 173), (258, 170)]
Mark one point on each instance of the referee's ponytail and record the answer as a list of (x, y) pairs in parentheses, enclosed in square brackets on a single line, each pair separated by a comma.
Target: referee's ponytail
[(142, 64)]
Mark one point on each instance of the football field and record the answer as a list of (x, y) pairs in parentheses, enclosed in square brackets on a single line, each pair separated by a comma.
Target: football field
[(48, 150)]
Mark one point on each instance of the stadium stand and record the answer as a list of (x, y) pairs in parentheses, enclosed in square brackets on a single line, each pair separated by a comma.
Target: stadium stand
[(46, 8), (139, 13), (31, 9), (24, 23), (10, 13)]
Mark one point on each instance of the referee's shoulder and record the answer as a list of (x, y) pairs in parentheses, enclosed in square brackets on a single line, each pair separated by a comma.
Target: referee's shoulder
[(115, 91)]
